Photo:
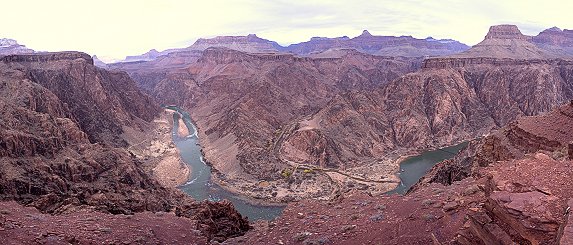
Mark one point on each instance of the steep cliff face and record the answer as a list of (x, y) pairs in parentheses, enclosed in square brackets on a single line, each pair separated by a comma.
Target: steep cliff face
[(54, 105), (102, 102), (507, 42)]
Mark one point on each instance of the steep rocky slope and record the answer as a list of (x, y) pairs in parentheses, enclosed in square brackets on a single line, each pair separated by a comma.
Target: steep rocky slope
[(61, 143), (51, 112), (507, 199), (243, 102), (548, 133)]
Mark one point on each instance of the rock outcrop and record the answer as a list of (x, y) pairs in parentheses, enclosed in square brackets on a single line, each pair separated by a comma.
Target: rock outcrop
[(99, 63), (505, 32)]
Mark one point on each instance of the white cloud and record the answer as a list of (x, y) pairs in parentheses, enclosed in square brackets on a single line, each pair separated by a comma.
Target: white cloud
[(118, 28)]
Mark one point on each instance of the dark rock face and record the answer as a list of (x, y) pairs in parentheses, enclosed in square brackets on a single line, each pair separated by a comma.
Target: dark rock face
[(216, 220)]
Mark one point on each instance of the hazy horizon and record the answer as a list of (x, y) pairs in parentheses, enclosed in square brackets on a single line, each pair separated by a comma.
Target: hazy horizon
[(112, 30)]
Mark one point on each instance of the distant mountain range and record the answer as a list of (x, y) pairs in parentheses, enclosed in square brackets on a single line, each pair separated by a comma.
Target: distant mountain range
[(554, 41), (406, 46)]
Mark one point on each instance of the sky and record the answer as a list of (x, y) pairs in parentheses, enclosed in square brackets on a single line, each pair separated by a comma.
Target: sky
[(113, 29)]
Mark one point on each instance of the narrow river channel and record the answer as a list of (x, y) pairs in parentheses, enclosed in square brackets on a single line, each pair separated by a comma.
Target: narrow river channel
[(200, 187)]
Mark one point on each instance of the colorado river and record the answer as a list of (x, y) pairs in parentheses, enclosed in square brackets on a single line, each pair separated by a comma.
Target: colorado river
[(199, 186), (413, 168)]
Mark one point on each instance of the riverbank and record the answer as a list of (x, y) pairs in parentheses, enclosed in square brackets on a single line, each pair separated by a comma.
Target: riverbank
[(155, 148)]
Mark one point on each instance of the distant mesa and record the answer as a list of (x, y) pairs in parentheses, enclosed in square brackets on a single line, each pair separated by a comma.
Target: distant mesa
[(505, 32), (365, 33), (98, 62), (507, 42), (11, 46)]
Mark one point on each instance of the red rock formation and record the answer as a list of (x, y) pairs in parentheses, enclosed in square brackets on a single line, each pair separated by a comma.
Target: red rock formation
[(53, 105), (109, 101)]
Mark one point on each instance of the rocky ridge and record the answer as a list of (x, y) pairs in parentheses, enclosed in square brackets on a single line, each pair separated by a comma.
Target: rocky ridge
[(381, 45)]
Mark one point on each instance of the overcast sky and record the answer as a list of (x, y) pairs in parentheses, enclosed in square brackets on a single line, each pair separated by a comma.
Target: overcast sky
[(113, 29)]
